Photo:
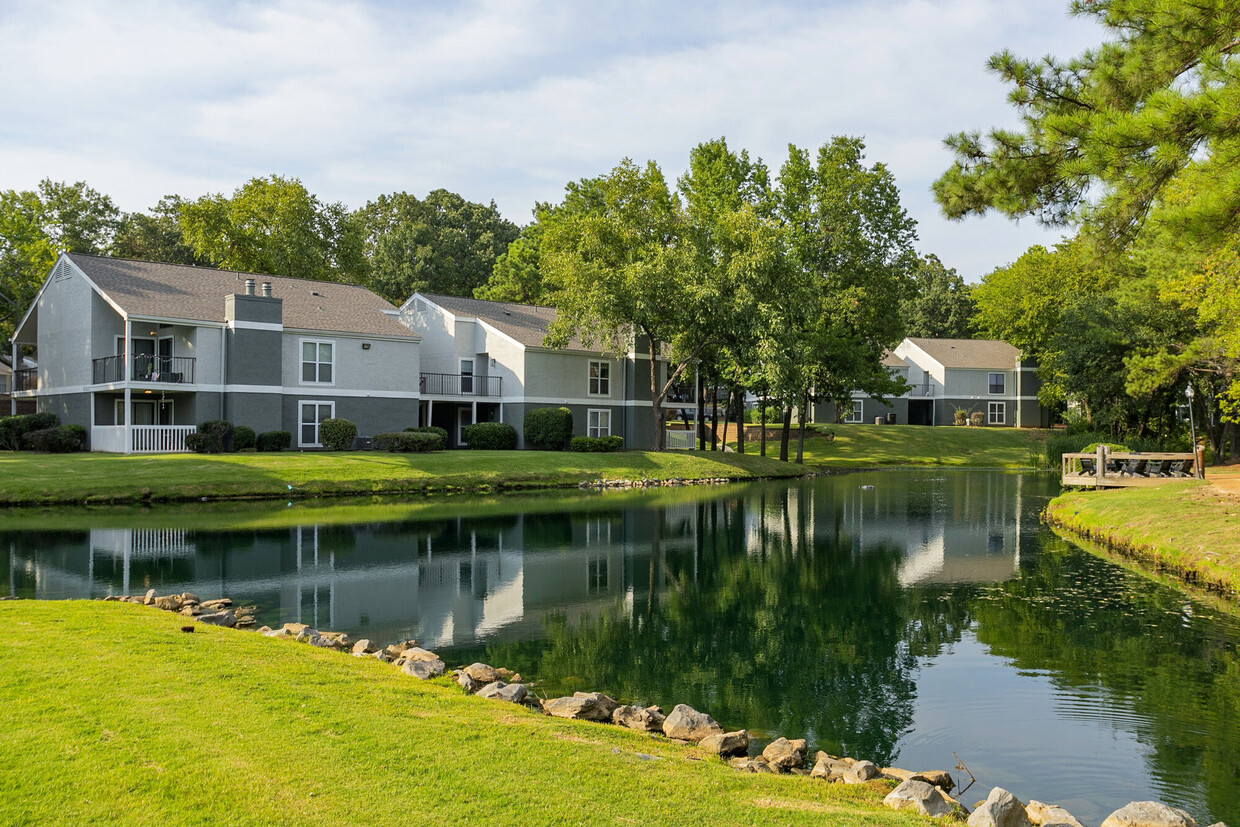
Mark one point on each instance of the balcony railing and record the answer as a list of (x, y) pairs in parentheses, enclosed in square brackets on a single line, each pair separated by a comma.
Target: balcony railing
[(174, 369), (26, 379), (455, 384)]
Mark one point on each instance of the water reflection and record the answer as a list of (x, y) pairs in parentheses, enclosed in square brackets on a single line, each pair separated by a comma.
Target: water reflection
[(927, 615)]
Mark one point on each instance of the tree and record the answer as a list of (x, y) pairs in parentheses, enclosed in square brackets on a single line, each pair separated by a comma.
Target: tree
[(516, 276), (274, 225), (1105, 133), (442, 244), (940, 305), (35, 227), (155, 235)]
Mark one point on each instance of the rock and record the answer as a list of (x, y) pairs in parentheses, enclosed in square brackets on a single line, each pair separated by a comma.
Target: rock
[(1050, 815), (424, 669), (169, 603), (1149, 814), (504, 674), (307, 633), (482, 673), (688, 724), (894, 773), (498, 690), (783, 754), (323, 642), (150, 597), (729, 743), (467, 683), (276, 633), (829, 768), (750, 764), (294, 628), (218, 619), (417, 653), (189, 599), (363, 647), (649, 719), (393, 652), (215, 605), (861, 772), (1000, 809), (938, 778), (581, 709), (189, 611), (920, 797), (607, 702)]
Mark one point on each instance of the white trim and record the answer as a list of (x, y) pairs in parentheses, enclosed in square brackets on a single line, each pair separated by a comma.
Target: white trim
[(460, 373), (990, 413), (602, 363), (599, 427), (243, 325), (344, 334), (856, 410), (177, 322), (301, 362), (1003, 375), (302, 403)]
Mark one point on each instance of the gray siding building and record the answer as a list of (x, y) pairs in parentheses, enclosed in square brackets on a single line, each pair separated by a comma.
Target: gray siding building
[(140, 352)]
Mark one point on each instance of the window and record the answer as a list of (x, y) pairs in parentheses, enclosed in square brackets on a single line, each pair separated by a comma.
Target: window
[(854, 413), (464, 418), (598, 422), (600, 378), (312, 415), (996, 382), (316, 362), (467, 376), (997, 415)]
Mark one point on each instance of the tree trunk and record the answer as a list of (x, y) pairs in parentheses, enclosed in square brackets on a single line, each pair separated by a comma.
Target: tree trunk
[(801, 431), (656, 396), (727, 410), (714, 417), (762, 405), (783, 436), (701, 410), (740, 420)]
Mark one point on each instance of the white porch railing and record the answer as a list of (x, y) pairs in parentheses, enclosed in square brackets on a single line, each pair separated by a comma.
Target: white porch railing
[(147, 439), (680, 440)]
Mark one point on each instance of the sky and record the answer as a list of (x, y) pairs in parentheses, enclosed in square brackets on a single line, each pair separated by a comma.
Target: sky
[(505, 102)]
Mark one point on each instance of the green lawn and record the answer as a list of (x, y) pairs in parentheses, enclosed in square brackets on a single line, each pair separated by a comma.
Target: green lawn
[(27, 479), (110, 714), (868, 446), (1186, 529)]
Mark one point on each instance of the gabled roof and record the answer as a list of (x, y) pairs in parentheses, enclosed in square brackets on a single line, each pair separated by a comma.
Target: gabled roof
[(969, 353), (890, 360), (527, 324), (177, 291)]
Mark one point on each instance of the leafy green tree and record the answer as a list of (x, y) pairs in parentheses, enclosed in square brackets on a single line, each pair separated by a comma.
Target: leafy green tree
[(274, 225), (155, 235), (516, 276), (35, 227), (940, 305), (440, 244)]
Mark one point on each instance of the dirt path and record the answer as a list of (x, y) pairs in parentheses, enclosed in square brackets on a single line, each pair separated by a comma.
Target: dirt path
[(1225, 480)]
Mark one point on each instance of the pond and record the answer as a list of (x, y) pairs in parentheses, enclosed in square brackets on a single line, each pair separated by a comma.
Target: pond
[(914, 618)]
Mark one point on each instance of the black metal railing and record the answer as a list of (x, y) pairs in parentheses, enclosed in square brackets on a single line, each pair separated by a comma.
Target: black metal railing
[(455, 384), (26, 379), (174, 369)]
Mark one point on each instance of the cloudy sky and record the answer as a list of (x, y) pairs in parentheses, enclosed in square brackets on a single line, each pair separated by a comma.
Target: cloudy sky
[(503, 101)]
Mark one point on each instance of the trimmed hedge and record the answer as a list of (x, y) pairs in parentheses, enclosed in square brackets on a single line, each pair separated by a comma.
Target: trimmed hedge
[(596, 444), (548, 429), (490, 436), (273, 441), (243, 437), (13, 428), (431, 429), (417, 442), (62, 439), (213, 437), (337, 434)]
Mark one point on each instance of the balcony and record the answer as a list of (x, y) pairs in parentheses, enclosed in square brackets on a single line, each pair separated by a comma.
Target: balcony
[(455, 384), (178, 370), (26, 379)]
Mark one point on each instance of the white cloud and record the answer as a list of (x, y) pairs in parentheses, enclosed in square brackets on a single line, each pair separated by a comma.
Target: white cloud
[(498, 100)]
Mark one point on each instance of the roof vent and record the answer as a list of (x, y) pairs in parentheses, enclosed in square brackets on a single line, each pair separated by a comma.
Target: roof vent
[(249, 287), (316, 293), (267, 289)]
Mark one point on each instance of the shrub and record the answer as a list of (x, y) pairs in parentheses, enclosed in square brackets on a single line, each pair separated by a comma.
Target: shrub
[(243, 437), (273, 441), (548, 429), (54, 440), (960, 416), (409, 441), (13, 428), (431, 429), (337, 434), (491, 436), (976, 418), (80, 430), (217, 437), (596, 444)]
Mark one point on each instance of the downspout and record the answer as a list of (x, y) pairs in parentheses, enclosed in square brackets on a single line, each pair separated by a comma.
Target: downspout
[(128, 374), (223, 369), (13, 381)]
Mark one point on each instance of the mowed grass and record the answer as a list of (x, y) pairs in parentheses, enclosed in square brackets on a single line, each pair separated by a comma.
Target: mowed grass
[(110, 714), (1188, 529), (27, 479), (869, 446)]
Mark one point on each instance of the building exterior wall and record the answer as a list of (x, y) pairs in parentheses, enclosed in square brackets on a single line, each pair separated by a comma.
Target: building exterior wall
[(64, 354)]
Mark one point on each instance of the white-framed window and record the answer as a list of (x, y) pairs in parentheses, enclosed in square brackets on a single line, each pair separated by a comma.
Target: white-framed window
[(996, 382), (600, 378), (318, 362), (996, 413), (853, 414), (598, 422), (467, 375), (312, 415), (464, 418)]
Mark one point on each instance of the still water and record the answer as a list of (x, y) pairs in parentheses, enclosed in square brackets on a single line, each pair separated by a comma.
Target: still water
[(928, 617)]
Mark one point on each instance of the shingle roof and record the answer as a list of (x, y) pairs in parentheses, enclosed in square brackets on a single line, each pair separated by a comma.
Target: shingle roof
[(527, 323), (177, 291), (969, 353), (890, 360)]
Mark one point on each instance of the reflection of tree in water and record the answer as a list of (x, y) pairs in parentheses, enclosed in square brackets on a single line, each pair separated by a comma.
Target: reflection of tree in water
[(1091, 624), (764, 626)]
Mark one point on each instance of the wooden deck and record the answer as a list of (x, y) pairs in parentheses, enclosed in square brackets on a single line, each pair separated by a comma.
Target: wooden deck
[(1124, 469)]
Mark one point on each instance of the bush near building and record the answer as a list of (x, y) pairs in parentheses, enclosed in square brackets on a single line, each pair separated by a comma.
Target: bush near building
[(548, 429), (490, 436)]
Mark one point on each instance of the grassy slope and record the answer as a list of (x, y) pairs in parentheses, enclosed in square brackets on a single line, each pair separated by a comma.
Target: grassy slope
[(1188, 529), (78, 478), (108, 713), (868, 446)]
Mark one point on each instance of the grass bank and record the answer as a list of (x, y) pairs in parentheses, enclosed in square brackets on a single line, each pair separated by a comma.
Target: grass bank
[(1190, 530), (108, 713), (871, 446), (43, 479)]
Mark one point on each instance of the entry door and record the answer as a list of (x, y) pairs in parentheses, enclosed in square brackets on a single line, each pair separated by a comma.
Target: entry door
[(467, 376), (312, 414), (143, 358), (145, 412), (464, 417)]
